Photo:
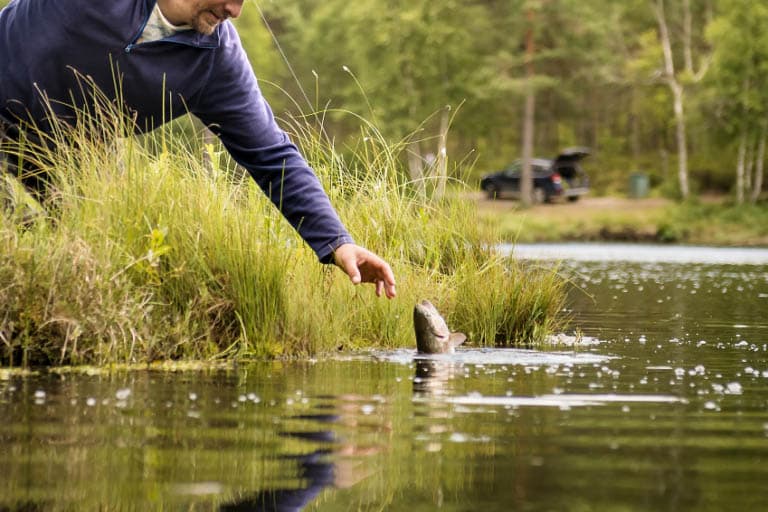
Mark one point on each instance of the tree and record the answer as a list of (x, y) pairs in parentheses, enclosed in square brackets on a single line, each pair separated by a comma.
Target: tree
[(526, 176), (677, 79), (551, 61), (396, 64), (740, 87)]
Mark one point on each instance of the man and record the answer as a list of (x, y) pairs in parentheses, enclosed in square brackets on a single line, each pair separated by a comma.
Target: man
[(169, 57)]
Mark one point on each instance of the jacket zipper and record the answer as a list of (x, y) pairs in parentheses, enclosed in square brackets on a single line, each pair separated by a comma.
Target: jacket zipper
[(132, 44)]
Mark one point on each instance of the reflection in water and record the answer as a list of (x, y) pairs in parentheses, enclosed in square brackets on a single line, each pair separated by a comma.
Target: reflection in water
[(334, 465), (315, 470), (432, 377), (667, 413), (431, 385)]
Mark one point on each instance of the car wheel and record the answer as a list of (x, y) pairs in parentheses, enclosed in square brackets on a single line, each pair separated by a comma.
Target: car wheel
[(539, 196), (492, 191)]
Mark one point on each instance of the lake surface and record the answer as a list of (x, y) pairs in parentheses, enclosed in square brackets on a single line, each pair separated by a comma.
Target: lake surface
[(661, 405)]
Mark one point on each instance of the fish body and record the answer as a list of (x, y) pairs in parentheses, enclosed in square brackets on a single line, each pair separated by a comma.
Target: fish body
[(432, 333)]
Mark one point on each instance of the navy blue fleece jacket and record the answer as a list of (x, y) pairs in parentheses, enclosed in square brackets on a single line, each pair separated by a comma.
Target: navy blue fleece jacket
[(46, 44)]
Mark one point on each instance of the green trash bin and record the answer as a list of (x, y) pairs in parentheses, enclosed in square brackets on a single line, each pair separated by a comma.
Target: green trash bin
[(638, 185)]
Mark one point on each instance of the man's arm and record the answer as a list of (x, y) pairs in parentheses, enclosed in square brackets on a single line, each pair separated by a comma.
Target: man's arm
[(232, 105)]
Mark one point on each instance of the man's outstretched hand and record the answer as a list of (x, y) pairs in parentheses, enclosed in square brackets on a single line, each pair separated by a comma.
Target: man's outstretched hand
[(363, 266)]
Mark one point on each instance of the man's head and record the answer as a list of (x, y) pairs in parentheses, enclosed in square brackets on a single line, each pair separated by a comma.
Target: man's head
[(203, 15)]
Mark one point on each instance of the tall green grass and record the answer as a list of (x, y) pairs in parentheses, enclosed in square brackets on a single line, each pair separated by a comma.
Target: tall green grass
[(152, 252)]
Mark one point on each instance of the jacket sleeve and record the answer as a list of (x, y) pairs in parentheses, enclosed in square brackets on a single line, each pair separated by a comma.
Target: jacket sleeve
[(232, 106)]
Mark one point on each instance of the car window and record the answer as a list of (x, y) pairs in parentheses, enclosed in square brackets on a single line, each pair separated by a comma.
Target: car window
[(513, 168)]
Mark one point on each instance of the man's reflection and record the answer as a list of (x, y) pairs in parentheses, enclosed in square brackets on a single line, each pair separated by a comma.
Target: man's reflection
[(316, 472), (334, 465)]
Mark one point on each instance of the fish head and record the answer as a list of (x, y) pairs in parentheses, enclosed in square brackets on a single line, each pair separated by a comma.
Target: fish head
[(428, 320), (432, 333)]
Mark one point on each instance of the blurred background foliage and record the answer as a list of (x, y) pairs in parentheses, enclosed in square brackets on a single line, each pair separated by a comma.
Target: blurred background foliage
[(414, 68), (600, 79)]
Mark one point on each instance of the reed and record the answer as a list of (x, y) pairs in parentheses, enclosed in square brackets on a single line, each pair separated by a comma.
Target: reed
[(151, 253)]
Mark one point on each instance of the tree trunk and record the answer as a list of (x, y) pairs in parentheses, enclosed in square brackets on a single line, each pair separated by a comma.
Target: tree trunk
[(687, 47), (526, 177), (759, 165), (741, 159), (749, 165), (664, 155), (678, 95), (682, 140), (634, 129)]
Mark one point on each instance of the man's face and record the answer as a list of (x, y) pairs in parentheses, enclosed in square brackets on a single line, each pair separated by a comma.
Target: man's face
[(206, 15)]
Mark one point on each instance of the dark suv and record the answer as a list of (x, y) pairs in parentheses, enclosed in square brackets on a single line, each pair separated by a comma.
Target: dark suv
[(552, 179)]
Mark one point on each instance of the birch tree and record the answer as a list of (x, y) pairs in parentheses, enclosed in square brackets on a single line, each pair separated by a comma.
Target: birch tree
[(740, 83), (677, 79)]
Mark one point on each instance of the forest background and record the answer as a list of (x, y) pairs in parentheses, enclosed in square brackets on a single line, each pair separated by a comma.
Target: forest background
[(676, 89)]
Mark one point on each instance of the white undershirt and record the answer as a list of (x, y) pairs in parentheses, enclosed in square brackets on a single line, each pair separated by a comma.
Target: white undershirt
[(158, 27)]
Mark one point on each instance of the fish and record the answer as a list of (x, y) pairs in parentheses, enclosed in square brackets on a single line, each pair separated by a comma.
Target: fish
[(432, 333)]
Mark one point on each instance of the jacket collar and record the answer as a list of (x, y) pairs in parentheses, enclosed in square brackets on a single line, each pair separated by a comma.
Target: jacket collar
[(188, 37)]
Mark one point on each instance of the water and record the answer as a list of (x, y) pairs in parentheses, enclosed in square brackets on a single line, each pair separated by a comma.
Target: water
[(661, 405), (640, 253)]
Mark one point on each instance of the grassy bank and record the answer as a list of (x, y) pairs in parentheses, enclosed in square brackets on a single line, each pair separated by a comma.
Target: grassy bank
[(710, 222), (716, 224), (154, 254)]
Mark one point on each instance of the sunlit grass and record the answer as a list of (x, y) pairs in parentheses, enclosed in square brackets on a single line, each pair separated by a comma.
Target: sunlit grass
[(576, 221), (154, 253), (717, 224), (710, 222)]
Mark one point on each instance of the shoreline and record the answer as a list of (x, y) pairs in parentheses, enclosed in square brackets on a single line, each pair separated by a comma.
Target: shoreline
[(711, 222)]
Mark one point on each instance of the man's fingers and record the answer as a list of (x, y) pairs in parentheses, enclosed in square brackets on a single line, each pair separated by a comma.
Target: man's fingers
[(361, 265), (349, 265), (385, 281), (354, 274)]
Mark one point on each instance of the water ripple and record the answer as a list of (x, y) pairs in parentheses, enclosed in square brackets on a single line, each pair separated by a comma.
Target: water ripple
[(495, 356)]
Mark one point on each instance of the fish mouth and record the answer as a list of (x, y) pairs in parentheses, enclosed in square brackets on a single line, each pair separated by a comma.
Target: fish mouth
[(433, 336), (427, 309)]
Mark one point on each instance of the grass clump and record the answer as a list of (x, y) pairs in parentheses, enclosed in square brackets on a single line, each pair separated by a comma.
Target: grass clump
[(153, 253)]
